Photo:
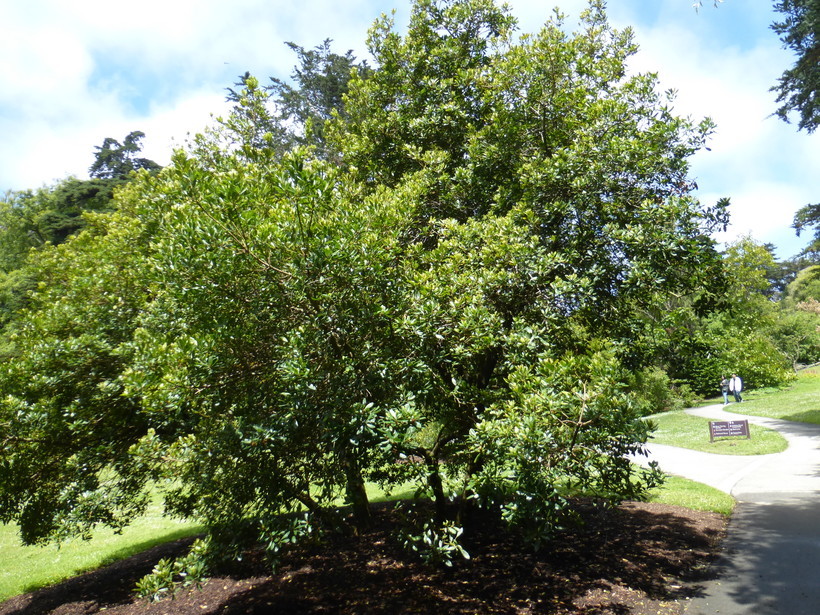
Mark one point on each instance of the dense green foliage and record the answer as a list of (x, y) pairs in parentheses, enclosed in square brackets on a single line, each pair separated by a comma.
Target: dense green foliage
[(449, 281), (797, 88), (115, 160), (806, 286), (33, 220), (66, 423), (808, 217)]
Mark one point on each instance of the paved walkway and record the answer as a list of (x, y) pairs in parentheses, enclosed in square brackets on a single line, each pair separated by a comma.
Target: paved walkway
[(771, 559)]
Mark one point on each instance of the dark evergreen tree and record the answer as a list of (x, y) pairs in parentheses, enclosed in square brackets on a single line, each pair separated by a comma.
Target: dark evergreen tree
[(115, 160), (808, 217), (797, 87)]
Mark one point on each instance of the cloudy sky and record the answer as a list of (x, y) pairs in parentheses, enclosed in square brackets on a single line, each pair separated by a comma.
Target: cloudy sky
[(74, 73)]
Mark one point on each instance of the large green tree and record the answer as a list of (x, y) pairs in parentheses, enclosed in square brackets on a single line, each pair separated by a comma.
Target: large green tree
[(551, 124), (555, 209), (455, 301)]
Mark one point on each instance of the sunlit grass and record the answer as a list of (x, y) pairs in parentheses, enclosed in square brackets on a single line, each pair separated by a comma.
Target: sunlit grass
[(25, 568), (799, 402), (692, 432), (679, 491)]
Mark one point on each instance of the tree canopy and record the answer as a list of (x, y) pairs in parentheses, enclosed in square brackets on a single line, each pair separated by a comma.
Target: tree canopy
[(115, 160), (31, 220), (457, 299), (797, 88), (808, 217)]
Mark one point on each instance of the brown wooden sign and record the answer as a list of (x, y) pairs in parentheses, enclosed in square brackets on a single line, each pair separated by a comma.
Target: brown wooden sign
[(726, 429)]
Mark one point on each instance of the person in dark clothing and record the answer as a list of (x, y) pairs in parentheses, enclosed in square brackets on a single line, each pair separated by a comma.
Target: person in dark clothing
[(724, 388)]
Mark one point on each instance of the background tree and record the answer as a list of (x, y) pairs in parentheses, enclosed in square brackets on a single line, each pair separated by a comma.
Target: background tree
[(32, 219), (808, 217), (320, 81), (755, 332), (805, 287), (295, 115), (115, 160), (796, 333), (797, 89), (798, 86), (781, 273), (745, 326)]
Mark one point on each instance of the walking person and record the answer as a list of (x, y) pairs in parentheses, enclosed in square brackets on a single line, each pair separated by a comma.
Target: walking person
[(735, 387), (724, 388)]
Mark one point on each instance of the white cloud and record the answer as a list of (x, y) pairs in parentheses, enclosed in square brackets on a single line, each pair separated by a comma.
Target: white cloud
[(764, 209), (77, 72), (41, 65), (762, 164), (169, 127)]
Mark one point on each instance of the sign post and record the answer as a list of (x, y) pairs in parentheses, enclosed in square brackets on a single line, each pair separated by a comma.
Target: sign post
[(726, 429)]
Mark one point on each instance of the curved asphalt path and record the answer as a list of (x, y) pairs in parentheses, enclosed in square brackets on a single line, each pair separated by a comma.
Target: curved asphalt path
[(771, 559)]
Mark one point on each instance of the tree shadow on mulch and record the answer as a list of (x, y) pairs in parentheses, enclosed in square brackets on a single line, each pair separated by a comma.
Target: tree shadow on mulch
[(637, 559)]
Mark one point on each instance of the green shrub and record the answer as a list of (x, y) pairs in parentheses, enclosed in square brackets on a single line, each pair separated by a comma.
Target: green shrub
[(169, 576), (656, 392)]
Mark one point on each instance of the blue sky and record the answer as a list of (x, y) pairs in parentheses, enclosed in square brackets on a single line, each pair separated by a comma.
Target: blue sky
[(74, 73)]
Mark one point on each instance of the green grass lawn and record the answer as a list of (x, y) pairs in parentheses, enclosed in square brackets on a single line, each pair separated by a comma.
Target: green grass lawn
[(799, 402), (25, 568), (679, 491), (692, 432)]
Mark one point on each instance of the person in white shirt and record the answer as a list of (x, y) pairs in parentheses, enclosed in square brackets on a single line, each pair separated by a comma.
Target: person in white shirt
[(735, 387)]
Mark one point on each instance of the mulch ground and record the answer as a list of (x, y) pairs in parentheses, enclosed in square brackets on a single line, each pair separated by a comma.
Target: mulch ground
[(639, 559)]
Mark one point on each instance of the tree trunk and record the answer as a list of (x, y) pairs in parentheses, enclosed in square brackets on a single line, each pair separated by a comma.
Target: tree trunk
[(437, 487), (357, 494)]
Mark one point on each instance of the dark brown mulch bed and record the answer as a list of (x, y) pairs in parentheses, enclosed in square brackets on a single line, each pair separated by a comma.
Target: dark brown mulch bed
[(637, 559)]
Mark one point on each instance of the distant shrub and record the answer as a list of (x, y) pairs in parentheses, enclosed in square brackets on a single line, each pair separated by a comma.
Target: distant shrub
[(656, 392)]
